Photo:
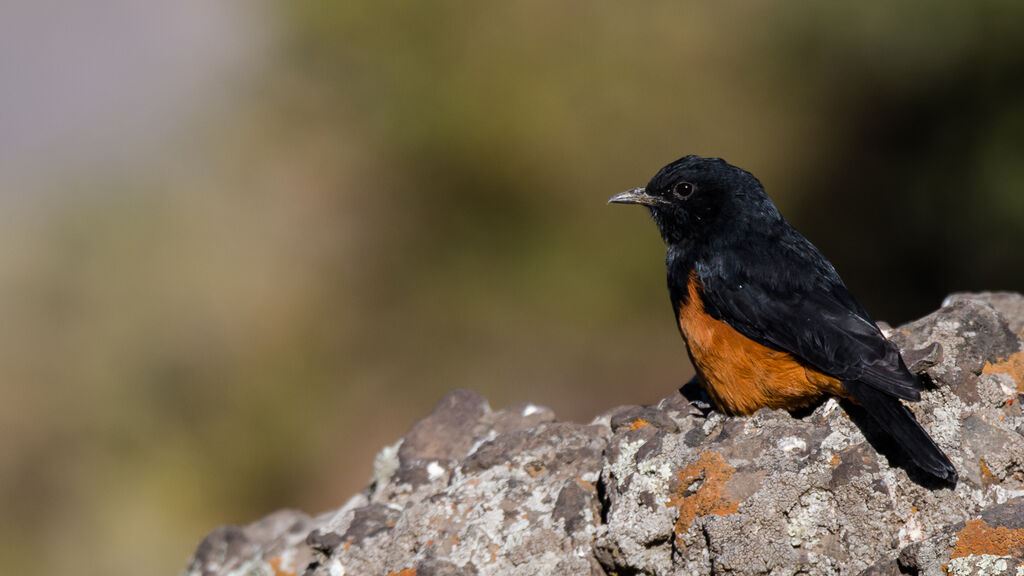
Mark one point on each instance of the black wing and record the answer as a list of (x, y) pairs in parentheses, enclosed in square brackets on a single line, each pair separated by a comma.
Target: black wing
[(787, 296)]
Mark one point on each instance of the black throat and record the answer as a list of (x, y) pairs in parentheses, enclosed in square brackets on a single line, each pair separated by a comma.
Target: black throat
[(680, 261)]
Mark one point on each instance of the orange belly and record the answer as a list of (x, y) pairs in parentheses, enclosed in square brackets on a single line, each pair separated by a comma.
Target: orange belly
[(741, 375)]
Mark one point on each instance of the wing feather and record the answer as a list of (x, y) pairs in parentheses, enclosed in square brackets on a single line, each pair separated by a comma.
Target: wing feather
[(788, 297)]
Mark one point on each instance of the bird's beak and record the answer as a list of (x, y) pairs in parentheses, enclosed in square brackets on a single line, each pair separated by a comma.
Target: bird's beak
[(635, 196)]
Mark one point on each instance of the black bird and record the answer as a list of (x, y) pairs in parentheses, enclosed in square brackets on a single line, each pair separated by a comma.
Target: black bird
[(766, 319)]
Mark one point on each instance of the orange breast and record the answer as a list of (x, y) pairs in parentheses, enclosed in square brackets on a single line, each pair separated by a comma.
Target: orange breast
[(741, 375)]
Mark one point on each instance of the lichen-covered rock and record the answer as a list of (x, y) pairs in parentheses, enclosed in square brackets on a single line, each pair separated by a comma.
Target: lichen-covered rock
[(274, 545), (991, 544), (673, 489)]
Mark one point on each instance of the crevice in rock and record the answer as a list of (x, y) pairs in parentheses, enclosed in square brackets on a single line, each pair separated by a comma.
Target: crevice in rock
[(707, 546), (603, 499)]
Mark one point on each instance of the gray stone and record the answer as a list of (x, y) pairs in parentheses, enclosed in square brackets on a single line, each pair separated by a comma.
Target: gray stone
[(1009, 304), (990, 544), (277, 542), (675, 489)]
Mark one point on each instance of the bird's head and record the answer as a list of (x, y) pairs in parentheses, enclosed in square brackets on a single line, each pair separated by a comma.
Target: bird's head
[(696, 198)]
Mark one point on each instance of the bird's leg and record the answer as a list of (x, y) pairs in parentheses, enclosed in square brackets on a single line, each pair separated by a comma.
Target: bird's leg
[(697, 395)]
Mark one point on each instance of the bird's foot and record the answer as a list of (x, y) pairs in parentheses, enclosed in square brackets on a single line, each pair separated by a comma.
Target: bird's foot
[(697, 396)]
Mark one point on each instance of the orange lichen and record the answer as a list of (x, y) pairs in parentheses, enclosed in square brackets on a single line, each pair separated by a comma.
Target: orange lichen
[(406, 572), (586, 485), (987, 477), (639, 423), (275, 565), (700, 490), (977, 538), (534, 469), (835, 461), (1014, 366)]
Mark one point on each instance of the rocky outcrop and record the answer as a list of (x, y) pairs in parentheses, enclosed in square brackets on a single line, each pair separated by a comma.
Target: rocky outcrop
[(673, 489)]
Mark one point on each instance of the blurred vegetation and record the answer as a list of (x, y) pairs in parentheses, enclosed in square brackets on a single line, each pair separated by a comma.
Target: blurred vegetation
[(410, 198)]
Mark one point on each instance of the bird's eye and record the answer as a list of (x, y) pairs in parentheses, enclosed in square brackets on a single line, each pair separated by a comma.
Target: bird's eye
[(684, 190)]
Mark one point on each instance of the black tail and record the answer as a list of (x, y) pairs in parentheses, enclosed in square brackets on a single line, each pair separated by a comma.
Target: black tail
[(895, 419)]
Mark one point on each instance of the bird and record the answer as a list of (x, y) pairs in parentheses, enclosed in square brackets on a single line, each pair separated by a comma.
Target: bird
[(765, 317)]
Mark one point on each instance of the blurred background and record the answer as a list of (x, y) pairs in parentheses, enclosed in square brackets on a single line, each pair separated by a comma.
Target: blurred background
[(245, 245)]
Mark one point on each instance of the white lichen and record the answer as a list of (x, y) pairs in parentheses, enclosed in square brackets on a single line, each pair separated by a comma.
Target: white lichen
[(435, 471), (1005, 383), (911, 531), (792, 443), (978, 565), (835, 442), (831, 405), (491, 435), (385, 464), (1003, 495), (814, 517), (627, 454)]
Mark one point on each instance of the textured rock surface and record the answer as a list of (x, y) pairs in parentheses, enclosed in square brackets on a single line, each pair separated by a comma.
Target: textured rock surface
[(669, 489)]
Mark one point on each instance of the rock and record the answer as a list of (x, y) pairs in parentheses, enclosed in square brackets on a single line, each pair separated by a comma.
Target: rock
[(990, 544), (276, 542), (1009, 304), (673, 489)]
